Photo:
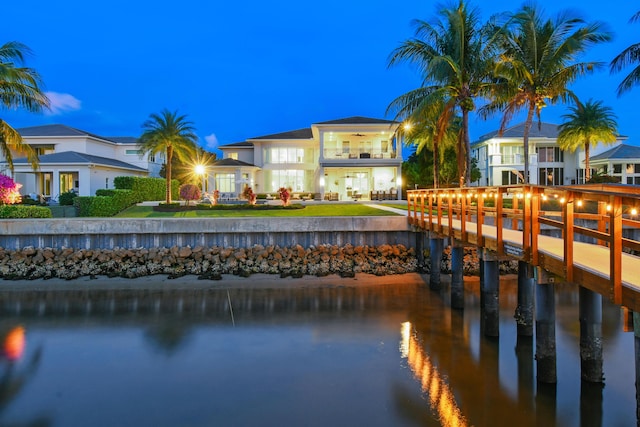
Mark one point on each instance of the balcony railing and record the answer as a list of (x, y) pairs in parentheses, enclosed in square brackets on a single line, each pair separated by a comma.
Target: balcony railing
[(339, 154)]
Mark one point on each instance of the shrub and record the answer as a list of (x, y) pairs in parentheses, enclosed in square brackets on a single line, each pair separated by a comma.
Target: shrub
[(285, 196), (189, 192), (22, 211), (66, 199), (248, 194), (107, 203)]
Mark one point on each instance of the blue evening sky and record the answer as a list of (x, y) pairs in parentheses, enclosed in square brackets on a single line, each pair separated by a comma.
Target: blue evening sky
[(246, 68)]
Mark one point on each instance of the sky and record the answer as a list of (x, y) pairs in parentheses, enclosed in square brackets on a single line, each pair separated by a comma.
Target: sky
[(245, 68)]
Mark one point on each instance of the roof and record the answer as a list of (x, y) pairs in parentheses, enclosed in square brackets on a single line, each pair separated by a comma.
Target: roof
[(538, 130), (73, 157), (305, 133), (57, 130), (622, 151), (238, 144), (230, 162), (124, 139), (357, 120)]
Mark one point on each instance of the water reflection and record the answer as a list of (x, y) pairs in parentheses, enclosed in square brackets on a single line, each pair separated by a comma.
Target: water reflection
[(296, 356)]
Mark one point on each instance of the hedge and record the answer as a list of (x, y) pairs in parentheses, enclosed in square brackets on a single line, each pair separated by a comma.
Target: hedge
[(105, 203), (147, 189), (24, 211)]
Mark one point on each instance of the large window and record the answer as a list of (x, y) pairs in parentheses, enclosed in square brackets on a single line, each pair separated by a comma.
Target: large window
[(551, 176), (550, 155), (511, 177), (293, 179), (226, 182), (286, 155)]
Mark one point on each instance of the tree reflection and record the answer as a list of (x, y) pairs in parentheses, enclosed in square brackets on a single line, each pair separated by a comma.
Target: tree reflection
[(168, 335), (15, 375)]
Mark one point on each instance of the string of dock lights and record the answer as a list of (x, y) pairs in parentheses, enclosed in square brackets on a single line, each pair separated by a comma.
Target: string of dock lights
[(475, 194)]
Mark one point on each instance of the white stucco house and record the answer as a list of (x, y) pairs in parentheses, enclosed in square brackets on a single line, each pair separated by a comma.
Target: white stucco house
[(75, 159), (355, 158), (501, 157), (622, 161)]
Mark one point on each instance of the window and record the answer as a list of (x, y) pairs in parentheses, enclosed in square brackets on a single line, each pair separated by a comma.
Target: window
[(551, 176), (233, 156), (511, 177), (133, 152), (617, 168), (512, 154), (45, 183), (293, 179), (286, 155), (550, 154), (226, 182)]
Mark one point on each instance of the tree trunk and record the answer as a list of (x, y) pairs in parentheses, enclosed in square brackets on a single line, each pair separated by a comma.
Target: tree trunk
[(436, 164), (168, 174), (587, 169), (467, 147), (461, 157), (525, 140)]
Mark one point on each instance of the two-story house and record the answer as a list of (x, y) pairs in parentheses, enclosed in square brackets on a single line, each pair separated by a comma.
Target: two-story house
[(501, 157), (346, 159), (73, 159)]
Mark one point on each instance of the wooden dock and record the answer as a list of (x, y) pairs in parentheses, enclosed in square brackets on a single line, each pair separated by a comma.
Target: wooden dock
[(596, 228)]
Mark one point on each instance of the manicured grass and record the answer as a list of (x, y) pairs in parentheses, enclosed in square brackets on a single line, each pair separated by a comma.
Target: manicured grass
[(352, 209)]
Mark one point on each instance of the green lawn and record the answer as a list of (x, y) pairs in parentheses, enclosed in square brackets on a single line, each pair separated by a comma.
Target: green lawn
[(309, 210)]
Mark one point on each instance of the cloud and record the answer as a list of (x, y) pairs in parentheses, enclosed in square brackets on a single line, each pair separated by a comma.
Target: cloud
[(212, 142), (61, 103)]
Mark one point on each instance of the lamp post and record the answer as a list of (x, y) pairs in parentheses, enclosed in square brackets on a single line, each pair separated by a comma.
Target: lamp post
[(200, 170)]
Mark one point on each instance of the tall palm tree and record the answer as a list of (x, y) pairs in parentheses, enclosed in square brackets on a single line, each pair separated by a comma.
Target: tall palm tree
[(586, 124), (630, 55), (171, 134), (538, 63), (20, 87), (427, 129), (454, 57)]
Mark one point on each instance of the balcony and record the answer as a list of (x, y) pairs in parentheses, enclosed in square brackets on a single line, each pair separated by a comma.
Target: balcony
[(340, 154)]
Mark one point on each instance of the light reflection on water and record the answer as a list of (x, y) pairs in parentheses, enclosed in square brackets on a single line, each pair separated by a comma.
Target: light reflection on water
[(366, 355)]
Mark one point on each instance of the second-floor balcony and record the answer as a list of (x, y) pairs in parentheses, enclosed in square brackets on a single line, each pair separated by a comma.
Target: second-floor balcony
[(340, 154)]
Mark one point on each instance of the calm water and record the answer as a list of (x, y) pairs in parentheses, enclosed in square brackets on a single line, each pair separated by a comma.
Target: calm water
[(340, 356)]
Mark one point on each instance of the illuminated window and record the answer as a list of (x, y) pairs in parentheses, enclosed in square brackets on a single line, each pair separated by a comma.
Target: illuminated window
[(233, 156), (293, 179), (285, 155), (226, 182)]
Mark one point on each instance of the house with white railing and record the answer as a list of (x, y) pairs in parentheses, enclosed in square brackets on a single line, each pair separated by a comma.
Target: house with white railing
[(355, 158), (500, 157)]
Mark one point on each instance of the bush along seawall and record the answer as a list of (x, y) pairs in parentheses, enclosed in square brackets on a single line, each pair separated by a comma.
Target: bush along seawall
[(32, 263)]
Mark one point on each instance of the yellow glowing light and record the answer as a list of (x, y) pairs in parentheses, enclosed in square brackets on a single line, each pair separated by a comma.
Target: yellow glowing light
[(528, 195), (608, 208), (544, 197), (199, 169), (634, 211), (579, 203), (407, 126), (562, 200), (14, 343)]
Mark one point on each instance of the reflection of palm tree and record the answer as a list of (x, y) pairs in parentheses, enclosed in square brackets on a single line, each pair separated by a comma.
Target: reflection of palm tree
[(12, 381), (169, 335)]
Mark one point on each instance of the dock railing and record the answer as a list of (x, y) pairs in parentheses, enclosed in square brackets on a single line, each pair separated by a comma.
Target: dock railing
[(513, 220)]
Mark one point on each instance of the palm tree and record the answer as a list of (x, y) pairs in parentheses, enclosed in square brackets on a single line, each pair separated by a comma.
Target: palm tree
[(538, 63), (429, 130), (630, 55), (20, 87), (586, 124), (454, 58), (170, 134)]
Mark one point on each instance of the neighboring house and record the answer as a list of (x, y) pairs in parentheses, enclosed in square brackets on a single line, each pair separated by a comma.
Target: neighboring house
[(346, 159), (72, 159), (501, 158), (622, 161)]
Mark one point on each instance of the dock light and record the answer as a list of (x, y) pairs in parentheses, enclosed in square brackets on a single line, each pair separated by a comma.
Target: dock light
[(634, 211), (528, 195), (562, 200), (608, 208), (484, 195), (579, 203), (544, 197)]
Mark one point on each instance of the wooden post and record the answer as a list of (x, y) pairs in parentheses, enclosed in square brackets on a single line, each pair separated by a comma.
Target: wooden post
[(499, 222), (457, 277), (545, 328), (567, 211), (490, 292), (615, 248), (525, 307), (590, 336), (436, 246), (636, 334), (420, 250)]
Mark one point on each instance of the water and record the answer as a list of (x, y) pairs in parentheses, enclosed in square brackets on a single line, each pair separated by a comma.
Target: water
[(340, 356)]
